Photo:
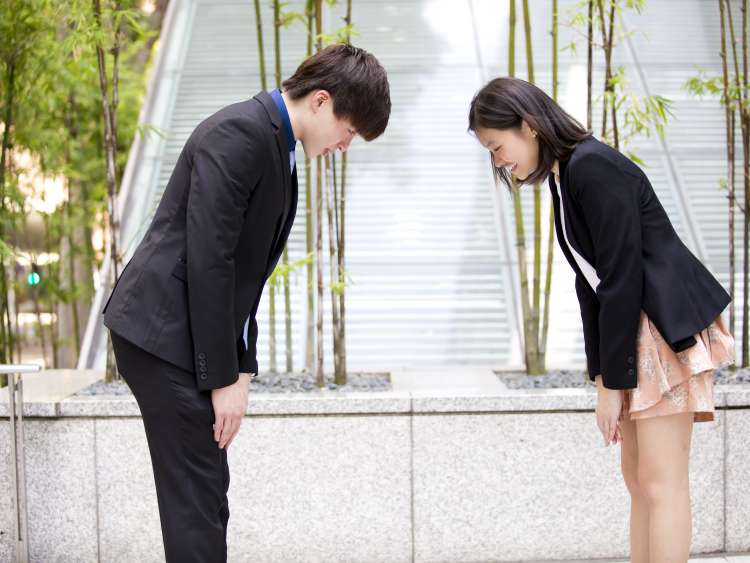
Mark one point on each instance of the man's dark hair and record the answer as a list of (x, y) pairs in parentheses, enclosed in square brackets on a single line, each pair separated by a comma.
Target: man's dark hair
[(356, 81), (504, 102)]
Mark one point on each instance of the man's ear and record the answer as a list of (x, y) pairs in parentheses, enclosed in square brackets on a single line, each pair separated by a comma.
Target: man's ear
[(319, 98)]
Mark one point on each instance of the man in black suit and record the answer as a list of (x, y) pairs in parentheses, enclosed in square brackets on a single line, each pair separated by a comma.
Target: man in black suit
[(182, 313)]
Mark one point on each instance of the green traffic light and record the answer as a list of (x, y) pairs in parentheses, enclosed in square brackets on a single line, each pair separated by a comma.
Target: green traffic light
[(33, 278)]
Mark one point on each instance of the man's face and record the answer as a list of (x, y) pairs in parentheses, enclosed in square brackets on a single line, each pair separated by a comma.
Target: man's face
[(326, 132)]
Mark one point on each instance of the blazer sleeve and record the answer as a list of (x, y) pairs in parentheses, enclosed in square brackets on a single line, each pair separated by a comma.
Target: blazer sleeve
[(247, 355), (226, 167), (590, 320), (609, 198)]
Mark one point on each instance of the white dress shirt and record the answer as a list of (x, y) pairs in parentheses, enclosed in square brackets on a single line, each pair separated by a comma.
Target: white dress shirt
[(588, 270)]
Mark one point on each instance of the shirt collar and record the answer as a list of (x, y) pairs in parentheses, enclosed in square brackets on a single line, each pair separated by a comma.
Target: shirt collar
[(291, 141)]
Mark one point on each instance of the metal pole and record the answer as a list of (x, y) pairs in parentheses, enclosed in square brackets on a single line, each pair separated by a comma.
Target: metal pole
[(18, 458)]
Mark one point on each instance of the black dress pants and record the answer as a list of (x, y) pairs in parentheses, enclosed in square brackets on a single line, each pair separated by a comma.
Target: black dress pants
[(190, 470)]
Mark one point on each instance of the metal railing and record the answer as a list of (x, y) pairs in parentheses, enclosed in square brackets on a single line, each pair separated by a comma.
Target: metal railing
[(18, 459)]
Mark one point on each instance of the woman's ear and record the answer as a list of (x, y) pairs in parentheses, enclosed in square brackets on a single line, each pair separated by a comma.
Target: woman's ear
[(526, 129)]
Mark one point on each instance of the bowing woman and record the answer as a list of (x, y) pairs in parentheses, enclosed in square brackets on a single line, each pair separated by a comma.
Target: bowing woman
[(651, 312)]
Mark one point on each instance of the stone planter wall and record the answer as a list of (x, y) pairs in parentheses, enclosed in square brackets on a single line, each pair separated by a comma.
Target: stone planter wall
[(423, 476)]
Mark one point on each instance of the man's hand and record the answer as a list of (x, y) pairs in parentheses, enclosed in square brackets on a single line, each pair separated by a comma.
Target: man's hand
[(230, 405), (608, 410)]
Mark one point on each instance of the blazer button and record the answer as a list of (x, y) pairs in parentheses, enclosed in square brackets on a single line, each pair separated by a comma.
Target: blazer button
[(203, 376), (630, 371), (201, 355), (202, 362), (630, 359)]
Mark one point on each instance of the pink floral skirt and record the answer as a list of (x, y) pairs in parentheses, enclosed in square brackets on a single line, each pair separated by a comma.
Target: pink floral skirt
[(675, 382)]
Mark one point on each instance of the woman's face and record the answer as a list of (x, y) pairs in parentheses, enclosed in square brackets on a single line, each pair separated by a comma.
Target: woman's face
[(518, 151)]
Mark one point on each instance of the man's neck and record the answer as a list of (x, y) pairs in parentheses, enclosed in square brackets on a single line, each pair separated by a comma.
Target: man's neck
[(294, 116)]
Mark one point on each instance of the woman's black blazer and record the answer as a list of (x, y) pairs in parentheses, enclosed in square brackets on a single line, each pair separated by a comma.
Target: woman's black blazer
[(615, 221)]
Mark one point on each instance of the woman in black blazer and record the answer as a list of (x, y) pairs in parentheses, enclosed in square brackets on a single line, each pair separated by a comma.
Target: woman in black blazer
[(651, 312)]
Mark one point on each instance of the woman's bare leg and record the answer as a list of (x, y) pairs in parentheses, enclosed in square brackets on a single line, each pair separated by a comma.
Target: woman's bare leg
[(663, 459), (639, 527)]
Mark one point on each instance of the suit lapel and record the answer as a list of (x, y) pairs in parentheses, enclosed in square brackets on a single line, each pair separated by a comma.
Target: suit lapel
[(273, 113), (289, 194)]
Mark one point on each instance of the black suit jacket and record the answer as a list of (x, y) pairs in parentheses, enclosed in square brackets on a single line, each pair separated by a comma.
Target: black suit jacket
[(616, 222), (215, 238)]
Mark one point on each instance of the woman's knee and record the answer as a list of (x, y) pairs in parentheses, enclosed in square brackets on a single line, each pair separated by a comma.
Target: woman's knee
[(664, 457), (659, 482)]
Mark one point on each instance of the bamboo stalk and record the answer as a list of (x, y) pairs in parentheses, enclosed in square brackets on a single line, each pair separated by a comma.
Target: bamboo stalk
[(341, 242), (512, 38), (333, 270), (285, 255), (272, 365), (612, 100), (590, 65), (607, 69), (52, 280), (745, 120), (319, 372), (310, 269), (729, 119), (745, 155), (551, 217), (6, 329), (261, 50), (534, 366), (111, 174)]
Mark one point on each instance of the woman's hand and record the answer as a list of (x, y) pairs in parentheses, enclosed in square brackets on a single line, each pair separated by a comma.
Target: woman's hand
[(608, 411), (230, 405)]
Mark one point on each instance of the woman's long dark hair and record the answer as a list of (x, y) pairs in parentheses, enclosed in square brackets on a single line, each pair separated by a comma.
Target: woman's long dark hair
[(504, 102)]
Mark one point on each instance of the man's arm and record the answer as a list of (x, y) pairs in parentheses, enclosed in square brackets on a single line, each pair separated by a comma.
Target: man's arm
[(227, 165), (247, 351)]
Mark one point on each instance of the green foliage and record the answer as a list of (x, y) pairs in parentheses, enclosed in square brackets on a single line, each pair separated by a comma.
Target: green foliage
[(282, 270), (49, 88)]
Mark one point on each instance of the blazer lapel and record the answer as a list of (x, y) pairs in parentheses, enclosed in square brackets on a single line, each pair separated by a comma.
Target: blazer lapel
[(289, 198), (273, 113)]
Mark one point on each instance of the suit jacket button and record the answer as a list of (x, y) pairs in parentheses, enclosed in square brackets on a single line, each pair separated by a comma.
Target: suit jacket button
[(203, 376), (630, 359), (202, 356), (630, 371)]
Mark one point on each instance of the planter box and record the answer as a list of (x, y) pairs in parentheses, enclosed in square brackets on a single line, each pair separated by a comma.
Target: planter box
[(445, 475)]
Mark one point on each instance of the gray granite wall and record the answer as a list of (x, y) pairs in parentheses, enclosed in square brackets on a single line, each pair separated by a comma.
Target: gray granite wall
[(372, 478)]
